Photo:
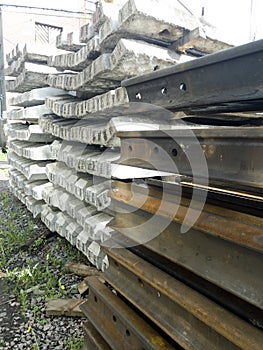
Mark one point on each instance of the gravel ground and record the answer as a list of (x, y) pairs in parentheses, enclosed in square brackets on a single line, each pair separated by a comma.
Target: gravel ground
[(26, 326)]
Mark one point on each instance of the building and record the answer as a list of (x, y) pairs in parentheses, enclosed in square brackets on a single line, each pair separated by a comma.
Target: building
[(25, 24)]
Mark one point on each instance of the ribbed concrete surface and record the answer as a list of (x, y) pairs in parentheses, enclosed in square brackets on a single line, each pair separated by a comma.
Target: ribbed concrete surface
[(33, 170), (69, 41), (80, 185), (32, 76), (77, 60), (30, 133), (105, 104), (35, 151), (98, 131), (30, 114), (34, 97), (89, 159), (129, 58)]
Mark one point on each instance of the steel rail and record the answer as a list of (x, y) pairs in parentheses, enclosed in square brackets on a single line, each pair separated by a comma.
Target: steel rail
[(230, 79), (231, 154), (238, 228), (226, 299), (228, 263), (120, 326), (221, 194), (93, 340), (188, 317)]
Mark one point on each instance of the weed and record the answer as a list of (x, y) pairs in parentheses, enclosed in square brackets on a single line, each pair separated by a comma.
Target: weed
[(31, 276), (12, 235), (37, 244), (36, 311), (74, 343), (3, 342), (42, 321), (23, 300)]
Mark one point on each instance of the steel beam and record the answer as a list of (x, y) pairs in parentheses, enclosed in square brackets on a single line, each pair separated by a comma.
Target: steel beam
[(231, 80)]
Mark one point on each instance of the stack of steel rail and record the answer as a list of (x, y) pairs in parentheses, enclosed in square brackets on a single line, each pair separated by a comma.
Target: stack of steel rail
[(185, 254)]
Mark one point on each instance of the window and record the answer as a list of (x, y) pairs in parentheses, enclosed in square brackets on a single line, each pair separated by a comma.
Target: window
[(46, 34)]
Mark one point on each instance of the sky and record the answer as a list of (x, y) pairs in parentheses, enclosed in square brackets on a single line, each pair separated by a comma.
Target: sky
[(232, 17), (76, 5)]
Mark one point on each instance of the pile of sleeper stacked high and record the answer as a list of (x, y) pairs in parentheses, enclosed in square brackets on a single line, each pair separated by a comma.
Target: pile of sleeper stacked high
[(31, 148), (64, 136), (42, 184), (124, 40)]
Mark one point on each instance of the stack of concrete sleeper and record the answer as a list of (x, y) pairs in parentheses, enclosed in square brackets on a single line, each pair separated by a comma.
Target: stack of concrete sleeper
[(32, 152), (72, 139)]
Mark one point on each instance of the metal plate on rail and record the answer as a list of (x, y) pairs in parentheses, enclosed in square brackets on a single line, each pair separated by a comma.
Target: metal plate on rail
[(229, 80), (191, 319)]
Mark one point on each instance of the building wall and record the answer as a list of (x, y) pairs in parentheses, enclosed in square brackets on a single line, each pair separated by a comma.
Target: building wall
[(19, 27)]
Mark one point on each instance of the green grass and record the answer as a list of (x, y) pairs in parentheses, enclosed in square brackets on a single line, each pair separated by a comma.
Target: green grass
[(37, 270), (37, 277), (74, 343), (14, 235)]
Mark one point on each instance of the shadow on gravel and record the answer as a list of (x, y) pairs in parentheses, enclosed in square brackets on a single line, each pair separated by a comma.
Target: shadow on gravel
[(10, 316)]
